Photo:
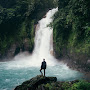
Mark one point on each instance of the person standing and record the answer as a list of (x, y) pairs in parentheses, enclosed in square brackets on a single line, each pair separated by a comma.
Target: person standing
[(43, 66)]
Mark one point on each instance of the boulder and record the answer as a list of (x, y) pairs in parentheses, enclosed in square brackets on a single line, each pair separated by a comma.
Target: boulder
[(33, 83)]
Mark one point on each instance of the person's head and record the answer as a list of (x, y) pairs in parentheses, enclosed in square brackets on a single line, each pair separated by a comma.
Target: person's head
[(43, 59)]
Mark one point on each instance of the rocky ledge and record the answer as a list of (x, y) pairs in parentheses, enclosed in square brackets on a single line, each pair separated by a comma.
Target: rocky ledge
[(50, 83), (33, 83)]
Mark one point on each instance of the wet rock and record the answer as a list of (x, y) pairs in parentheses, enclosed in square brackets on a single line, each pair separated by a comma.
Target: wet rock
[(88, 61), (33, 83), (9, 53)]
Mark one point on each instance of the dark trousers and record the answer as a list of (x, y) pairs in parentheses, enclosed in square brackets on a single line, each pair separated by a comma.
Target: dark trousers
[(41, 71)]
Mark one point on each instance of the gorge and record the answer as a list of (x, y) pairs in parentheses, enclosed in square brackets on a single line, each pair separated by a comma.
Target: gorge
[(31, 30), (23, 66)]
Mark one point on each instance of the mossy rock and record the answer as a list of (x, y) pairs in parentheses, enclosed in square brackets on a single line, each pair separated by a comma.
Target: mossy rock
[(33, 83)]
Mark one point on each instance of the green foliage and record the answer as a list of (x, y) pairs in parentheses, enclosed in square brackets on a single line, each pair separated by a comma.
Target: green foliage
[(31, 37), (49, 86), (5, 44), (72, 27), (82, 85), (65, 85)]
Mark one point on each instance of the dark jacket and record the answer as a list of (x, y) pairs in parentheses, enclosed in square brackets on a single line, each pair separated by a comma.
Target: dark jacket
[(43, 66)]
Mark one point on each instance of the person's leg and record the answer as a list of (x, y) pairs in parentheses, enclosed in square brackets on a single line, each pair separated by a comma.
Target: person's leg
[(44, 72), (41, 71)]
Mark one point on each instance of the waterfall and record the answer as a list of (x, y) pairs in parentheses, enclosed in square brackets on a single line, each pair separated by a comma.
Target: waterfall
[(44, 39), (43, 45)]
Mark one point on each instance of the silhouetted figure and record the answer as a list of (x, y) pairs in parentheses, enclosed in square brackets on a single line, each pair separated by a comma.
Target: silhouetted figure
[(43, 66)]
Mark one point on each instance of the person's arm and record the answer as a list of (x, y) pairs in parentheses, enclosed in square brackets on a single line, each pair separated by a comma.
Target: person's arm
[(41, 64)]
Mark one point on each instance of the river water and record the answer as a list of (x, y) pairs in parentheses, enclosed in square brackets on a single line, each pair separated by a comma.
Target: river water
[(24, 66)]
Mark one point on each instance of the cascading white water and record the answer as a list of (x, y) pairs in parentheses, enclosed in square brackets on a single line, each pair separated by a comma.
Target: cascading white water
[(43, 39), (25, 66)]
